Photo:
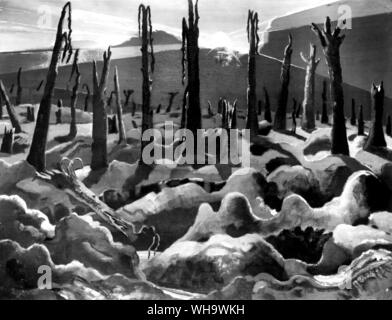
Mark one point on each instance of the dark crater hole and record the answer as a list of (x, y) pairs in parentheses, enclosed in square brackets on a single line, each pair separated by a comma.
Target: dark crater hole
[(305, 245)]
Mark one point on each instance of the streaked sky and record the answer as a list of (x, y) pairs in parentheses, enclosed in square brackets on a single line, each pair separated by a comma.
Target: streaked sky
[(31, 24)]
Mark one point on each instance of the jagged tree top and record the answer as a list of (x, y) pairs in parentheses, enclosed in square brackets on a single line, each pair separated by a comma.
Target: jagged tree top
[(188, 28), (326, 36), (147, 11), (252, 28), (67, 35)]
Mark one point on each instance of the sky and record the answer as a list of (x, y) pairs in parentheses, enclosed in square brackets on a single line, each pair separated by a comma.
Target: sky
[(31, 24)]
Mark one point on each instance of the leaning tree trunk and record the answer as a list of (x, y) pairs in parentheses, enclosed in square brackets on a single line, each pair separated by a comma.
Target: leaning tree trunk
[(331, 42), (10, 109), (190, 56), (19, 89), (36, 155), (281, 112), (99, 157), (252, 122), (73, 130), (145, 31), (1, 108), (376, 135), (121, 127), (324, 114), (308, 115)]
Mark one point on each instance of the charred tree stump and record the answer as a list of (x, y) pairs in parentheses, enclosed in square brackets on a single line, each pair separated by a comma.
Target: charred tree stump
[(331, 42), (112, 125), (353, 119), (281, 111), (308, 117), (30, 114), (99, 156), (36, 155), (376, 137), (127, 95), (59, 111), (172, 95), (10, 109), (361, 123), (8, 141), (86, 99)]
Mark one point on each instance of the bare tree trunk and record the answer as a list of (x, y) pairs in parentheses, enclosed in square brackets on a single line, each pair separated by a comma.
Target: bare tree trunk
[(121, 127), (190, 38), (353, 120), (324, 115), (36, 155), (99, 157), (281, 112), (361, 123), (10, 109), (308, 115), (73, 130), (267, 106), (252, 122), (146, 33), (376, 135), (331, 42)]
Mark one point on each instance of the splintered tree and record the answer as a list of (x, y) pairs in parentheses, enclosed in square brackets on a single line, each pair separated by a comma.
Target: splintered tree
[(148, 64), (121, 128), (361, 123), (252, 29), (36, 155), (99, 158), (10, 109), (86, 99), (267, 106), (331, 42), (19, 88), (190, 58), (376, 135), (281, 112), (324, 114), (353, 119), (308, 117)]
